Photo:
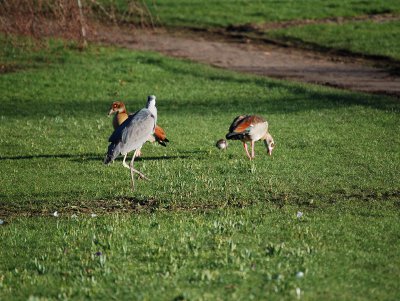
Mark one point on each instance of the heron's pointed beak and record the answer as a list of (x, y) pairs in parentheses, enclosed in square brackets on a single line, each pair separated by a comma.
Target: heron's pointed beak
[(110, 113)]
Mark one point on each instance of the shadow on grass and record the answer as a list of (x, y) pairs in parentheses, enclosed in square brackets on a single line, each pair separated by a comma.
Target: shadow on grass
[(81, 157), (97, 157), (295, 97), (302, 97), (298, 99), (392, 64)]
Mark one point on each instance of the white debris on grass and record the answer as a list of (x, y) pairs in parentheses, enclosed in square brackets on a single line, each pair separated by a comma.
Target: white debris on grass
[(93, 215), (1, 222), (299, 274), (298, 292), (299, 214), (55, 213)]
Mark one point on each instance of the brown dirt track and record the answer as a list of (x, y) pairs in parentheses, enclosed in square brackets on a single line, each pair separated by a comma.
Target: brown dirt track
[(235, 52)]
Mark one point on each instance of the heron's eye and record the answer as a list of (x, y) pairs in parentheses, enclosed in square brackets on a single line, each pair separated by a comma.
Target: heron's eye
[(114, 106)]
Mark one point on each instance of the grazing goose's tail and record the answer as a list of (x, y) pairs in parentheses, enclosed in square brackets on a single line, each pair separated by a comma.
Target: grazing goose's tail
[(234, 136)]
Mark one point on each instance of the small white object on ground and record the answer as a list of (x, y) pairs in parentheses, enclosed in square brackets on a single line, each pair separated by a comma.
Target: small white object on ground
[(93, 215), (221, 144), (74, 216), (299, 214), (299, 274), (1, 222), (298, 292), (55, 214)]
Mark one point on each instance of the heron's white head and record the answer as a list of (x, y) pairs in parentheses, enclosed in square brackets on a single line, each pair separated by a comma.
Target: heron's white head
[(269, 143), (151, 105), (151, 101)]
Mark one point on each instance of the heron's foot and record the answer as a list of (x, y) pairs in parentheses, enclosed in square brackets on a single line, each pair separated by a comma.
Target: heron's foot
[(132, 180), (141, 176)]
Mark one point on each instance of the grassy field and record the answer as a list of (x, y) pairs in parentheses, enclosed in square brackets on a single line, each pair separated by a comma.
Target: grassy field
[(209, 225), (365, 38), (262, 252), (209, 13), (358, 37)]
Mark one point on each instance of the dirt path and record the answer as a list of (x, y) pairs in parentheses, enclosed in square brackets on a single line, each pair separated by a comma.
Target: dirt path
[(261, 59)]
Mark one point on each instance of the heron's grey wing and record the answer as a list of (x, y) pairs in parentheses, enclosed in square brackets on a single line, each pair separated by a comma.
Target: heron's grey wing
[(117, 134), (137, 130)]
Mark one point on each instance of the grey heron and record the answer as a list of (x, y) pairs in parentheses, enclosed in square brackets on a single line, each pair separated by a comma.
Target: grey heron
[(131, 135), (119, 110)]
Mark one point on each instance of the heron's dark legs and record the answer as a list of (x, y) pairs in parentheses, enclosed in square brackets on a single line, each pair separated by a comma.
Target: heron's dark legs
[(246, 149)]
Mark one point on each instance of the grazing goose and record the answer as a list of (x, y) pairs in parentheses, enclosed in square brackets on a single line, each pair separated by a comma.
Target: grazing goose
[(251, 128)]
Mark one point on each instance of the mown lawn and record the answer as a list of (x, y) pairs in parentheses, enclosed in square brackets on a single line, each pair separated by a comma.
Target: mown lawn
[(358, 37), (209, 225), (366, 38), (346, 251), (209, 13)]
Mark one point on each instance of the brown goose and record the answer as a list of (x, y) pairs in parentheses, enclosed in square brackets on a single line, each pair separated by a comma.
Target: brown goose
[(251, 128)]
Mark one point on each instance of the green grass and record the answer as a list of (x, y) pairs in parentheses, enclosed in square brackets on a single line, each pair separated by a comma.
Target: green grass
[(233, 254), (358, 37), (370, 38), (54, 133), (223, 227), (209, 13)]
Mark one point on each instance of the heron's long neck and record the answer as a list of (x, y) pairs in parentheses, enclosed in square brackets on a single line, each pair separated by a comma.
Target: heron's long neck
[(153, 111)]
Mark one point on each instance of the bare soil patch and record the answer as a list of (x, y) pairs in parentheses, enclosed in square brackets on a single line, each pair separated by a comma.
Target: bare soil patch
[(243, 54), (130, 205), (244, 48), (8, 68)]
